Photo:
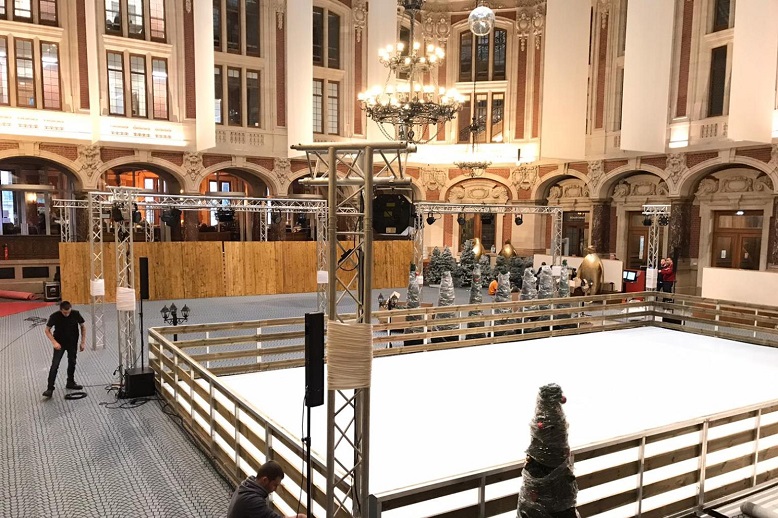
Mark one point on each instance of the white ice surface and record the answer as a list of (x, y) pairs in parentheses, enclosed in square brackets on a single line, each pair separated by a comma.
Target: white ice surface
[(444, 413)]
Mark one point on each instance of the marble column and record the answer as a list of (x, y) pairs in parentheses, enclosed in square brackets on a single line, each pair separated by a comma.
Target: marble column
[(191, 224), (601, 212), (79, 228), (772, 251), (679, 230)]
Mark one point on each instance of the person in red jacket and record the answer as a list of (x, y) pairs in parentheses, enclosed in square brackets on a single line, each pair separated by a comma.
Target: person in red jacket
[(668, 275)]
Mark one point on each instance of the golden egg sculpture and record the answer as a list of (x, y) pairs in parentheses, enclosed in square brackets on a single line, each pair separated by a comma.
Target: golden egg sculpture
[(478, 248), (507, 250), (592, 273)]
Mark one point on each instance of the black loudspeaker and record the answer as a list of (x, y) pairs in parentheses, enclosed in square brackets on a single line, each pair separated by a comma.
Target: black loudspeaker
[(138, 382), (392, 213), (314, 359), (144, 277), (518, 155)]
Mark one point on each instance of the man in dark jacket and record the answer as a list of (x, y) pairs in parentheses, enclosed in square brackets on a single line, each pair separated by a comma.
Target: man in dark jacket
[(66, 324), (250, 498)]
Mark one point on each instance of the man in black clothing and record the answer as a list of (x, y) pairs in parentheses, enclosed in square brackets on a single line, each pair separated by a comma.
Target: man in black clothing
[(250, 498), (66, 324)]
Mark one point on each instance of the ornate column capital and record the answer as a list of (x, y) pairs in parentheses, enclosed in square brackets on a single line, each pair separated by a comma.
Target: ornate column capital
[(604, 6), (89, 159), (676, 167), (280, 9), (596, 172), (193, 164), (282, 168)]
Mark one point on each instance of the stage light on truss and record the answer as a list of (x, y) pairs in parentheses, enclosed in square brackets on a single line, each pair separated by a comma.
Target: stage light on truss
[(487, 218), (664, 220), (430, 219), (461, 219), (647, 221), (519, 219)]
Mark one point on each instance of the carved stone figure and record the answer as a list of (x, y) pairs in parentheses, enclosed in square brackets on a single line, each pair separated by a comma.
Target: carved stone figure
[(193, 164), (592, 273), (282, 168), (90, 159)]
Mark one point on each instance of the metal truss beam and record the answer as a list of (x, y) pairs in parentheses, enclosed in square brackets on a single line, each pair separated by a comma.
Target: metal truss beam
[(349, 274)]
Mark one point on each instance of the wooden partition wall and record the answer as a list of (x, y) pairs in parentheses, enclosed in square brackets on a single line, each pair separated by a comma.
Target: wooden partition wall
[(223, 269)]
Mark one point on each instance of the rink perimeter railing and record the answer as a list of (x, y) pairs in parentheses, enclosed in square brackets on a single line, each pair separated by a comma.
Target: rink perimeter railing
[(676, 469)]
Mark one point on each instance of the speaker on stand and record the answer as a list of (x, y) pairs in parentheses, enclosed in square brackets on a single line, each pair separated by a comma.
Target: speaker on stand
[(314, 385), (139, 381)]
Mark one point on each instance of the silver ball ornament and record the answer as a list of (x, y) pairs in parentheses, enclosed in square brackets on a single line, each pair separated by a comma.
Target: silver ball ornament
[(481, 20)]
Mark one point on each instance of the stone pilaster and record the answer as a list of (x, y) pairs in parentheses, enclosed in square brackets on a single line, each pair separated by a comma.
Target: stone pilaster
[(601, 212), (772, 251), (679, 230)]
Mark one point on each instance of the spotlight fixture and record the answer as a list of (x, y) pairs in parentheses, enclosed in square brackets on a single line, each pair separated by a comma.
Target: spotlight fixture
[(275, 218), (225, 215), (116, 212), (487, 218), (519, 219), (430, 219), (461, 219), (739, 212), (647, 221), (664, 220)]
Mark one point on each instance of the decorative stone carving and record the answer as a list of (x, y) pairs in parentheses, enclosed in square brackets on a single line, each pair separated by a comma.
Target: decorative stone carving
[(555, 192), (644, 188), (763, 184), (604, 6), (433, 178), (478, 191), (737, 184), (662, 189), (193, 164), (282, 168), (280, 8), (523, 27), (676, 166), (524, 177), (596, 172), (437, 26), (188, 6), (359, 12), (538, 23), (621, 190), (89, 156), (774, 158), (569, 188)]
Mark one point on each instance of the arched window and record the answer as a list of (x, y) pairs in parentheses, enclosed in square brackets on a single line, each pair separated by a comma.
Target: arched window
[(483, 58)]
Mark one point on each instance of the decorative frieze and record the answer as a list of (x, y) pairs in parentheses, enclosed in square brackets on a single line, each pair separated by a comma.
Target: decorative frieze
[(359, 12), (478, 191), (524, 177), (433, 178)]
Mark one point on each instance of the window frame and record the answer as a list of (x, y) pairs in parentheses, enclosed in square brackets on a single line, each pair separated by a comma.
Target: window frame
[(123, 29), (321, 104), (474, 61), (24, 19), (712, 27), (32, 67), (7, 73), (51, 23), (259, 98), (163, 39), (144, 82), (245, 43), (724, 93), (137, 35), (328, 120), (239, 50), (239, 124), (153, 89), (41, 43), (471, 105), (123, 113), (326, 39), (217, 4), (114, 30), (222, 76)]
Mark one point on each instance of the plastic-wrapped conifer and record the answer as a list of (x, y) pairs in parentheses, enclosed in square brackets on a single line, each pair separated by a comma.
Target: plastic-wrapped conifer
[(413, 302), (446, 298), (476, 297)]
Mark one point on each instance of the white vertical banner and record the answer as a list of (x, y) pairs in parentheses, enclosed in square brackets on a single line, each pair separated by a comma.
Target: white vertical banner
[(205, 123), (754, 61), (299, 74), (381, 31), (98, 65), (565, 79), (647, 67)]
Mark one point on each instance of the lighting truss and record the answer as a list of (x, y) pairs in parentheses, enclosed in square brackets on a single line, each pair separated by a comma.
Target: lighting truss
[(350, 171)]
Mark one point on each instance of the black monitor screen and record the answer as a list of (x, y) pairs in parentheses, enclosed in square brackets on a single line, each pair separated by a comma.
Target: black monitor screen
[(630, 275)]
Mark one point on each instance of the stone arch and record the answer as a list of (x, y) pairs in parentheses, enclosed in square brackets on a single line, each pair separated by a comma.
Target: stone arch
[(257, 184), (605, 188), (68, 167), (691, 179), (497, 180), (164, 169), (540, 189), (248, 172)]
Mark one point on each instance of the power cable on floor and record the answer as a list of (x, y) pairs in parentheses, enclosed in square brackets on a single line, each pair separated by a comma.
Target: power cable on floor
[(35, 323)]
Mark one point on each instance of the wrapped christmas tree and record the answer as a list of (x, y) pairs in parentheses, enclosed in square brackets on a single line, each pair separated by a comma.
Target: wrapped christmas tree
[(467, 264), (503, 295), (549, 489), (413, 302), (476, 297), (545, 290), (446, 298), (449, 264), (529, 291), (435, 268), (486, 267), (564, 280)]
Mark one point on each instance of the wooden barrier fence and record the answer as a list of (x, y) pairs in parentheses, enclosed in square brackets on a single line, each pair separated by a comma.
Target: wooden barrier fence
[(223, 269), (675, 469)]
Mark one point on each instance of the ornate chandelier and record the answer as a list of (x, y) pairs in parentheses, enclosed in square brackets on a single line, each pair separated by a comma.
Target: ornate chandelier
[(406, 106)]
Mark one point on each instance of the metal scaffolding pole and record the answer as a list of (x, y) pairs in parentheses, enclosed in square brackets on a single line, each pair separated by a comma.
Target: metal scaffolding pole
[(349, 276), (123, 199), (97, 275)]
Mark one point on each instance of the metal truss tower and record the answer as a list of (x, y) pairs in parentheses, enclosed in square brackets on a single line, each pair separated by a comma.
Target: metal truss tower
[(655, 213), (350, 171)]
